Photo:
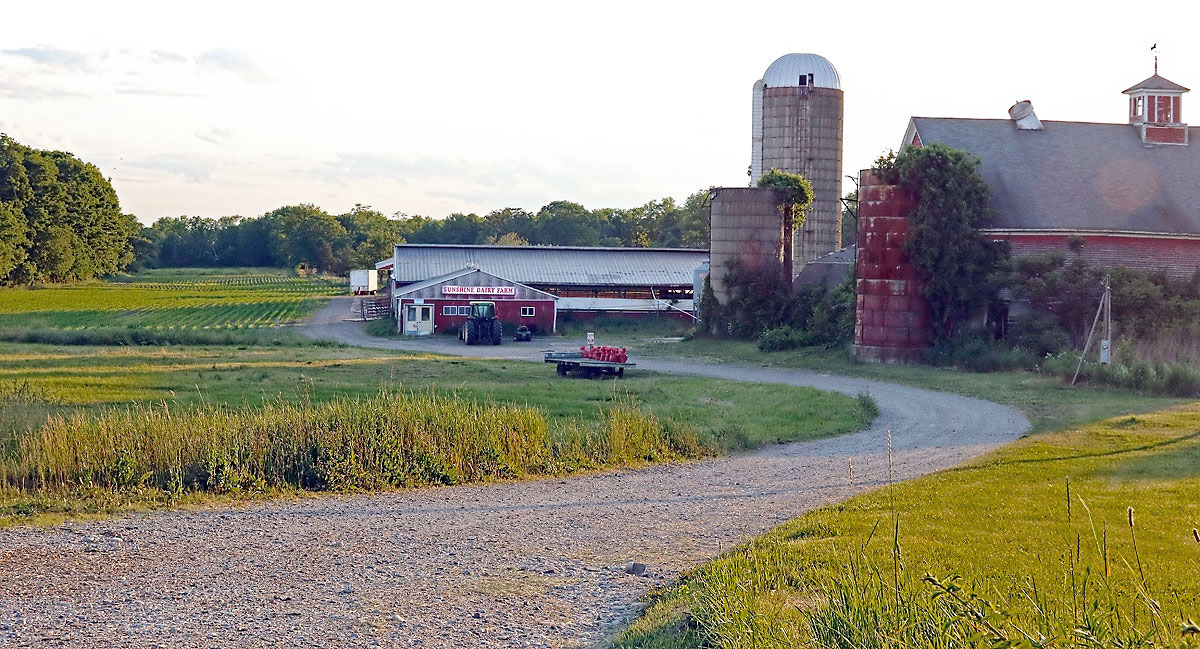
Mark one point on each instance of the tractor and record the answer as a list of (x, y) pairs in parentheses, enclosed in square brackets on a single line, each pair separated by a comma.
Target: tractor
[(482, 325)]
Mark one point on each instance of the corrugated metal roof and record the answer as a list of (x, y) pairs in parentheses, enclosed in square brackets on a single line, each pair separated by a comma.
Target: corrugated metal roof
[(1078, 175), (552, 265), (785, 72)]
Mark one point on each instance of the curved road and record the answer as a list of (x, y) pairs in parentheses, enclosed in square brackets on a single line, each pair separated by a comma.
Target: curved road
[(525, 564)]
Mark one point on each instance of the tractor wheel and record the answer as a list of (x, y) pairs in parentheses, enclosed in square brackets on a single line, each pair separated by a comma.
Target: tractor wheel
[(497, 332), (472, 332)]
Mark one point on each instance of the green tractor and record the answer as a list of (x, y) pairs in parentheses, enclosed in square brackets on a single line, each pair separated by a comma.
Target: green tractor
[(482, 325)]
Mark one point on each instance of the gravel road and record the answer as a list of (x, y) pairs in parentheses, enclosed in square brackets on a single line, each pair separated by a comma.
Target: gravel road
[(523, 564)]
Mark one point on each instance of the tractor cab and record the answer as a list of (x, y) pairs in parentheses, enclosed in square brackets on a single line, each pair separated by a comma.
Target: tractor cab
[(483, 310)]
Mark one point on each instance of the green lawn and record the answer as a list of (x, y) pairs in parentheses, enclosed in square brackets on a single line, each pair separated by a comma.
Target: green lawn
[(1001, 523), (178, 299), (1049, 403)]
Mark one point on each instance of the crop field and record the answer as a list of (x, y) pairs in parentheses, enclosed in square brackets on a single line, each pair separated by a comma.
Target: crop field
[(178, 299)]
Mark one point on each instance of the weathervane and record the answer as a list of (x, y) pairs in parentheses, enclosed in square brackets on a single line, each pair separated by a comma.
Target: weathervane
[(1154, 48)]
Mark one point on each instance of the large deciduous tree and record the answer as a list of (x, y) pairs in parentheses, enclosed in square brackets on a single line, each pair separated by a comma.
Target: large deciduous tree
[(59, 218)]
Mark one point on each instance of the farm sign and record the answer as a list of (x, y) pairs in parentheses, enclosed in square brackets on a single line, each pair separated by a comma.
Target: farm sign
[(509, 291)]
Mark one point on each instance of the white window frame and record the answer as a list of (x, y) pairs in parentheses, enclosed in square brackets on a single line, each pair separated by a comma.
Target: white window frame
[(528, 312), (449, 309), (464, 309)]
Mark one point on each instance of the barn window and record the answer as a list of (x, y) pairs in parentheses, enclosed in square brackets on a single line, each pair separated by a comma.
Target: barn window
[(464, 310), (449, 310), (527, 312)]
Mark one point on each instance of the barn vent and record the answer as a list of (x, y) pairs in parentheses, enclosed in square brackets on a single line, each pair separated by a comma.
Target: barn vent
[(1022, 113)]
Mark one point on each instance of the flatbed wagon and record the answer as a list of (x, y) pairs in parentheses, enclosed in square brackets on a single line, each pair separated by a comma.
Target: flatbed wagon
[(575, 362)]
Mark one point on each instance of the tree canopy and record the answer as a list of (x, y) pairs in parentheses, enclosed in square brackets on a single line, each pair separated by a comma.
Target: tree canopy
[(794, 191), (307, 235), (59, 218), (954, 261)]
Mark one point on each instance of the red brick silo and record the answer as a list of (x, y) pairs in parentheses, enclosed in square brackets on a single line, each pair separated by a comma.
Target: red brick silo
[(891, 317)]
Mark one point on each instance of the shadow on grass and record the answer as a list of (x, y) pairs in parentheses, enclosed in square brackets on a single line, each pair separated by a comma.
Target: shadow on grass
[(1147, 467)]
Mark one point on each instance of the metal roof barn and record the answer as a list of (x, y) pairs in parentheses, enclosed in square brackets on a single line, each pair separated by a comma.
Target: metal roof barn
[(560, 266)]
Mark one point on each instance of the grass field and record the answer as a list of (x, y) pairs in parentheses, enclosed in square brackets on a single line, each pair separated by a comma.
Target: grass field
[(64, 381), (997, 533), (1049, 403), (177, 299)]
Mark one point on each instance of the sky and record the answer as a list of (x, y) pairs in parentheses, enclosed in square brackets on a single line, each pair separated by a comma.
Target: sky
[(223, 108)]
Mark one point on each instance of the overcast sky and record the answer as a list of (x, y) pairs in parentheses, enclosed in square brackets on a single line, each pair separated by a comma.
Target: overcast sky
[(436, 107)]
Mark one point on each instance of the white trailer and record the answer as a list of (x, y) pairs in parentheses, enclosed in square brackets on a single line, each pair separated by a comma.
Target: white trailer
[(364, 282)]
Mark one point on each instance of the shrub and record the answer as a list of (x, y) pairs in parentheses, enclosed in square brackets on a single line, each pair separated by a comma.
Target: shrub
[(1039, 334), (977, 352), (782, 339)]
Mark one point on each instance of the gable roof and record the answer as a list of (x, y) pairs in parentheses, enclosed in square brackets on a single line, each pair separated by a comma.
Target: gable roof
[(1077, 175), (557, 265), (1155, 83)]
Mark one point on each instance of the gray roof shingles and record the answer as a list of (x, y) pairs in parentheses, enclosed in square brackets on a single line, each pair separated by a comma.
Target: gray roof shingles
[(1078, 175)]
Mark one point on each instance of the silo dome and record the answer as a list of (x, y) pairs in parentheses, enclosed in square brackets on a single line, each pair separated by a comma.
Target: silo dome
[(789, 69)]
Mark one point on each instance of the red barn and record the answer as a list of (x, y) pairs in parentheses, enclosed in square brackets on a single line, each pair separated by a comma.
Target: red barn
[(1129, 193), (442, 302)]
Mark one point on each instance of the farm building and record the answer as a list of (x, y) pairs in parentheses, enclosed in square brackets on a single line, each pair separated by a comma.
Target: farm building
[(442, 302), (1127, 192), (584, 282), (1115, 194)]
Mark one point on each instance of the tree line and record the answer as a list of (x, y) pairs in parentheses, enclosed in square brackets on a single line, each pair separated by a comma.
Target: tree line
[(308, 235), (59, 218)]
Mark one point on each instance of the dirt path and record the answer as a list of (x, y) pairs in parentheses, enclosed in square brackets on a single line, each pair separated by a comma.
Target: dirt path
[(532, 564)]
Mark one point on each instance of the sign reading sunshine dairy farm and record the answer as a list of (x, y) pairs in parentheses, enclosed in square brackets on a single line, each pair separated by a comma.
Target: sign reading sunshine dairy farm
[(508, 291)]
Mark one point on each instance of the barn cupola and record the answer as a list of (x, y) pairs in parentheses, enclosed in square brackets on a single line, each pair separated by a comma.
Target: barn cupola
[(1156, 110)]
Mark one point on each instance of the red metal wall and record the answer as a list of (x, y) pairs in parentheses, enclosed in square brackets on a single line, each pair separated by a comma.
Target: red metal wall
[(509, 312), (891, 316)]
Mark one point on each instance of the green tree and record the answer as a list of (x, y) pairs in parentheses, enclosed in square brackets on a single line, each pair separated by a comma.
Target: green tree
[(694, 220), (563, 223), (954, 262), (849, 219), (507, 239), (466, 229), (307, 235), (93, 214), (794, 194), (498, 223)]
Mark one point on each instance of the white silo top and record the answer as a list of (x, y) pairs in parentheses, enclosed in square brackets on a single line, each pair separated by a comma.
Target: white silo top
[(788, 69)]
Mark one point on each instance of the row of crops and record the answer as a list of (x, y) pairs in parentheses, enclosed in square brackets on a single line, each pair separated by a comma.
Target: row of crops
[(233, 301)]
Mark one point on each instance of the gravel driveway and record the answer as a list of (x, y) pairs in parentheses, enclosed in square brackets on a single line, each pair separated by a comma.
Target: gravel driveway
[(525, 564)]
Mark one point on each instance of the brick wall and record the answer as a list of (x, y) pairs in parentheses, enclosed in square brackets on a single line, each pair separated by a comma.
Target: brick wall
[(891, 315), (1179, 257)]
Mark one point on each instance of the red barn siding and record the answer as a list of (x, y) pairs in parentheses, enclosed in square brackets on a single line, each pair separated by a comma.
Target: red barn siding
[(1178, 256)]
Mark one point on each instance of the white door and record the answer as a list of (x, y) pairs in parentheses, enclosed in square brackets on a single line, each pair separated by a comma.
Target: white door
[(418, 319)]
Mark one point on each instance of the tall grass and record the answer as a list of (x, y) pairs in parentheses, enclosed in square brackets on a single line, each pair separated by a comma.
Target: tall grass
[(393, 439)]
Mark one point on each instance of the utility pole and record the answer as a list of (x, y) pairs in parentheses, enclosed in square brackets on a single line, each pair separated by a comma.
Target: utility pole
[(1105, 309)]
